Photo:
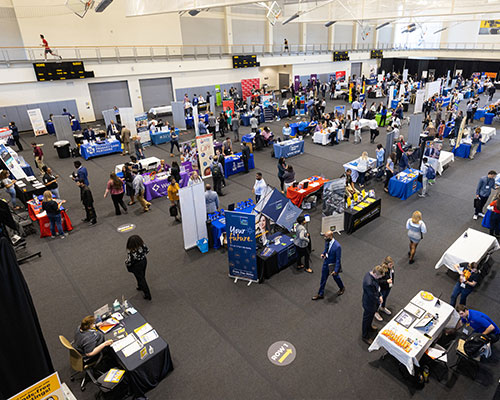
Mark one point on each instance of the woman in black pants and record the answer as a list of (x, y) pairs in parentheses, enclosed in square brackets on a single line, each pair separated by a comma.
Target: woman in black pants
[(281, 172), (115, 187), (136, 263), (389, 170), (301, 242)]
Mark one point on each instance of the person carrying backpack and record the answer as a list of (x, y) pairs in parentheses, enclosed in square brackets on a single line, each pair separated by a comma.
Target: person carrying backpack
[(428, 174), (217, 176)]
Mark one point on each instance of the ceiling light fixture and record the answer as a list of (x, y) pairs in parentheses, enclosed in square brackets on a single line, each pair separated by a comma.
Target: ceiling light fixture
[(330, 23), (382, 25), (289, 19)]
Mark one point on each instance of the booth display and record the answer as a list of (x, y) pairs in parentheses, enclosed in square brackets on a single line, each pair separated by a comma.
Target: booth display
[(486, 222), (108, 146), (288, 148), (233, 164), (471, 246), (361, 213), (36, 213), (445, 157), (405, 184), (387, 118), (322, 137), (487, 132), (278, 254), (156, 185), (353, 166), (218, 221), (305, 188), (409, 334), (161, 137), (463, 150)]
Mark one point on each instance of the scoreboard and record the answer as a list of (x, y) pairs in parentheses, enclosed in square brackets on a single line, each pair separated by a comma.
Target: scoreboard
[(57, 71), (245, 61), (341, 56), (376, 54)]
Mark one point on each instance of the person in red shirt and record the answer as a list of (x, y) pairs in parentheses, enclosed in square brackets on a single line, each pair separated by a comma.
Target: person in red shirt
[(495, 216), (48, 50), (38, 154)]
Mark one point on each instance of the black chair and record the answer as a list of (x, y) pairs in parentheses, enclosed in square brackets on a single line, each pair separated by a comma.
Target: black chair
[(468, 365)]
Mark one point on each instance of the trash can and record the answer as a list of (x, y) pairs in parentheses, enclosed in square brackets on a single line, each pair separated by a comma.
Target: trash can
[(62, 147), (203, 245), (488, 118)]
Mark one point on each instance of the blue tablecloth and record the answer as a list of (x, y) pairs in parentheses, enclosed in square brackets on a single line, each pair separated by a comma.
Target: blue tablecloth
[(75, 126), (245, 120), (288, 148), (286, 250), (447, 129), (248, 138), (234, 164), (50, 128), (480, 113), (401, 189), (219, 225), (89, 150), (295, 129), (464, 150), (488, 118), (486, 220), (27, 170), (161, 137), (189, 122)]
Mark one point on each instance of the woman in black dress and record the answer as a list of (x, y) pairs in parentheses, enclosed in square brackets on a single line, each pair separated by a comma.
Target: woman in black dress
[(136, 263)]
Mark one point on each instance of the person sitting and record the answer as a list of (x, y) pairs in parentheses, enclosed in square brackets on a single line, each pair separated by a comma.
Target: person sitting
[(349, 184), (287, 131), (478, 321), (469, 277), (303, 125), (267, 135), (89, 135), (88, 341), (162, 167), (259, 140)]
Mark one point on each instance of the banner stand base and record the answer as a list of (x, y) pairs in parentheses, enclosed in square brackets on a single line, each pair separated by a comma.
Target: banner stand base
[(250, 281)]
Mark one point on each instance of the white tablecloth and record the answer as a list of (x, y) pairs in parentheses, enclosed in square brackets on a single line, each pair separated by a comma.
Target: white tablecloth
[(145, 163), (446, 317), (471, 246), (321, 137), (487, 132), (445, 157), (160, 110), (354, 168)]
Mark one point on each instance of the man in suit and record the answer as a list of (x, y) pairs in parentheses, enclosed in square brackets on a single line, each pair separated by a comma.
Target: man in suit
[(113, 129), (125, 135), (235, 126), (245, 155), (331, 257), (372, 299), (81, 173)]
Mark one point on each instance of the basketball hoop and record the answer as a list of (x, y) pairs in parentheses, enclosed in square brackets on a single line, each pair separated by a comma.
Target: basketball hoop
[(273, 13), (80, 7)]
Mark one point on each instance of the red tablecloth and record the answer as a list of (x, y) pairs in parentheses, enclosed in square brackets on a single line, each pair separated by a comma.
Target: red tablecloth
[(297, 195), (35, 210)]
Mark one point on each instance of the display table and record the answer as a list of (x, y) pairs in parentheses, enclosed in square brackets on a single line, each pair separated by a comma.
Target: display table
[(363, 213), (447, 129), (233, 164), (25, 166), (463, 150), (219, 225), (487, 132), (159, 186), (50, 128), (108, 146), (161, 137), (148, 163), (488, 118), (387, 118), (405, 184), (75, 126), (146, 372), (445, 157), (321, 137), (189, 122), (298, 194), (295, 129), (248, 138), (160, 110), (353, 166), (404, 340), (486, 222), (283, 254), (288, 148), (26, 192), (36, 213), (480, 113), (245, 119), (471, 246)]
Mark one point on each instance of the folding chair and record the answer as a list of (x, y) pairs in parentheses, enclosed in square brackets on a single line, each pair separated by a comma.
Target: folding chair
[(469, 364)]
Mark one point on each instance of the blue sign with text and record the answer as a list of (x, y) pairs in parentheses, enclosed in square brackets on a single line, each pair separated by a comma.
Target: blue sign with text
[(242, 257)]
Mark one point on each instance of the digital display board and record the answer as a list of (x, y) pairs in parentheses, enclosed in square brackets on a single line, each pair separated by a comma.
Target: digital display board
[(341, 56), (56, 71), (376, 54), (245, 61)]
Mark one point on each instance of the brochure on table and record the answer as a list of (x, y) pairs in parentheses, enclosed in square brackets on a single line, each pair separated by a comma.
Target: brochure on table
[(5, 134)]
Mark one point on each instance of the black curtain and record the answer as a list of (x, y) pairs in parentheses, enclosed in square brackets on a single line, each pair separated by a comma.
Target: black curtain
[(24, 357)]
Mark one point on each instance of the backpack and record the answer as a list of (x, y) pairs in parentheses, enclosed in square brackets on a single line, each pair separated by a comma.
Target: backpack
[(173, 211), (474, 343), (431, 173), (216, 170)]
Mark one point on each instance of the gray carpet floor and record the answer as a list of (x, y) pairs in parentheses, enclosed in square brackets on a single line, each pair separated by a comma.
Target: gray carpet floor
[(218, 331)]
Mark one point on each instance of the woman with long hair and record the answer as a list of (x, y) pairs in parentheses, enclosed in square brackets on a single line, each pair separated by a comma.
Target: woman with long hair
[(137, 262), (115, 187), (389, 170), (363, 164), (129, 178), (416, 229), (10, 187), (281, 172), (53, 210)]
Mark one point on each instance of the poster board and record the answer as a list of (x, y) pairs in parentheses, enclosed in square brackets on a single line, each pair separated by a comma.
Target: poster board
[(419, 101), (205, 146), (242, 254), (247, 86), (333, 206), (405, 75), (141, 126), (63, 129), (46, 389), (178, 115), (431, 88), (37, 122), (340, 76), (194, 214), (127, 118), (228, 104)]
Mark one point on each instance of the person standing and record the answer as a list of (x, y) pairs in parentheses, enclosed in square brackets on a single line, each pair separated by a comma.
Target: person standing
[(139, 149), (468, 279), (380, 152), (47, 49), (363, 165), (301, 242), (468, 111), (88, 203), (383, 115), (254, 123), (173, 196), (289, 177), (138, 184), (483, 191), (115, 187), (10, 187), (356, 105), (137, 262), (373, 130), (495, 216), (212, 121), (125, 135), (281, 173), (357, 130), (385, 284), (245, 156), (285, 43), (50, 181), (372, 299), (425, 180), (476, 140), (331, 258), (458, 122), (53, 211), (211, 199), (15, 135), (113, 129), (129, 178), (259, 186), (194, 179), (38, 154), (217, 176), (174, 141), (81, 173), (235, 126), (416, 230)]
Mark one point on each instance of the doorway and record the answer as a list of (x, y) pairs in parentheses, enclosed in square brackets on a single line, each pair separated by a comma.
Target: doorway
[(283, 80), (356, 69)]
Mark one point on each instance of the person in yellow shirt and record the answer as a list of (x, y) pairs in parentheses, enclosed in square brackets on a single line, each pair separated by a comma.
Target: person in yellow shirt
[(173, 196)]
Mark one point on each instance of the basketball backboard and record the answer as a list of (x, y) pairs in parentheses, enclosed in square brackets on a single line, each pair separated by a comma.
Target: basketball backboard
[(80, 7)]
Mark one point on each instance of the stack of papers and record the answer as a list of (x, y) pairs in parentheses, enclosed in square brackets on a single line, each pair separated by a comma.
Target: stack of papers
[(122, 343)]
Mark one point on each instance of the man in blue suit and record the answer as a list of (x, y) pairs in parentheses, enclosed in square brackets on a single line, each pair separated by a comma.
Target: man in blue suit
[(331, 257)]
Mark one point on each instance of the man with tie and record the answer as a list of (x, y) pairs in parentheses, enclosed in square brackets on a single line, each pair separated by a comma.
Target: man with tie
[(114, 129), (331, 259)]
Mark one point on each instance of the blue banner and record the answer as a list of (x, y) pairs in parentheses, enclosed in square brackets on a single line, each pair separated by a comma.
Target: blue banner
[(240, 231)]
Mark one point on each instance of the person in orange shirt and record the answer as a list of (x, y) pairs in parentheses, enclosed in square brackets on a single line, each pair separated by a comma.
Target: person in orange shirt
[(173, 196)]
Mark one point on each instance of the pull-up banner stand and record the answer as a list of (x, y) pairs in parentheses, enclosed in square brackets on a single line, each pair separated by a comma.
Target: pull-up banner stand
[(194, 214), (62, 126)]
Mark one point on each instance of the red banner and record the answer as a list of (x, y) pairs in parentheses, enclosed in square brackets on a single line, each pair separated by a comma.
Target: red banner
[(340, 76), (247, 86)]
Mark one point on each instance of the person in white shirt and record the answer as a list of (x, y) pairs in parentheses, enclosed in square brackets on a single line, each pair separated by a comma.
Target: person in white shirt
[(373, 130), (355, 108), (356, 126), (425, 180), (287, 131), (259, 187), (363, 166)]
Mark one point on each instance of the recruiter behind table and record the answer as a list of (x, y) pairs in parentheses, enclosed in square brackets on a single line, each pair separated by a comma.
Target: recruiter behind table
[(89, 342), (478, 321)]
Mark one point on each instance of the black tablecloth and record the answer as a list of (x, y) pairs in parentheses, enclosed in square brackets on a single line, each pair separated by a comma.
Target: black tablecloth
[(26, 192), (353, 220), (281, 258), (144, 375)]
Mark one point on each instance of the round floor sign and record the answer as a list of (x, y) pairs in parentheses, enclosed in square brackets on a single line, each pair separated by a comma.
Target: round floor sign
[(281, 353), (125, 228)]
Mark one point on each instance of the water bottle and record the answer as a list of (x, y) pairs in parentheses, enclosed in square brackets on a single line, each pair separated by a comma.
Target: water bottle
[(150, 349)]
